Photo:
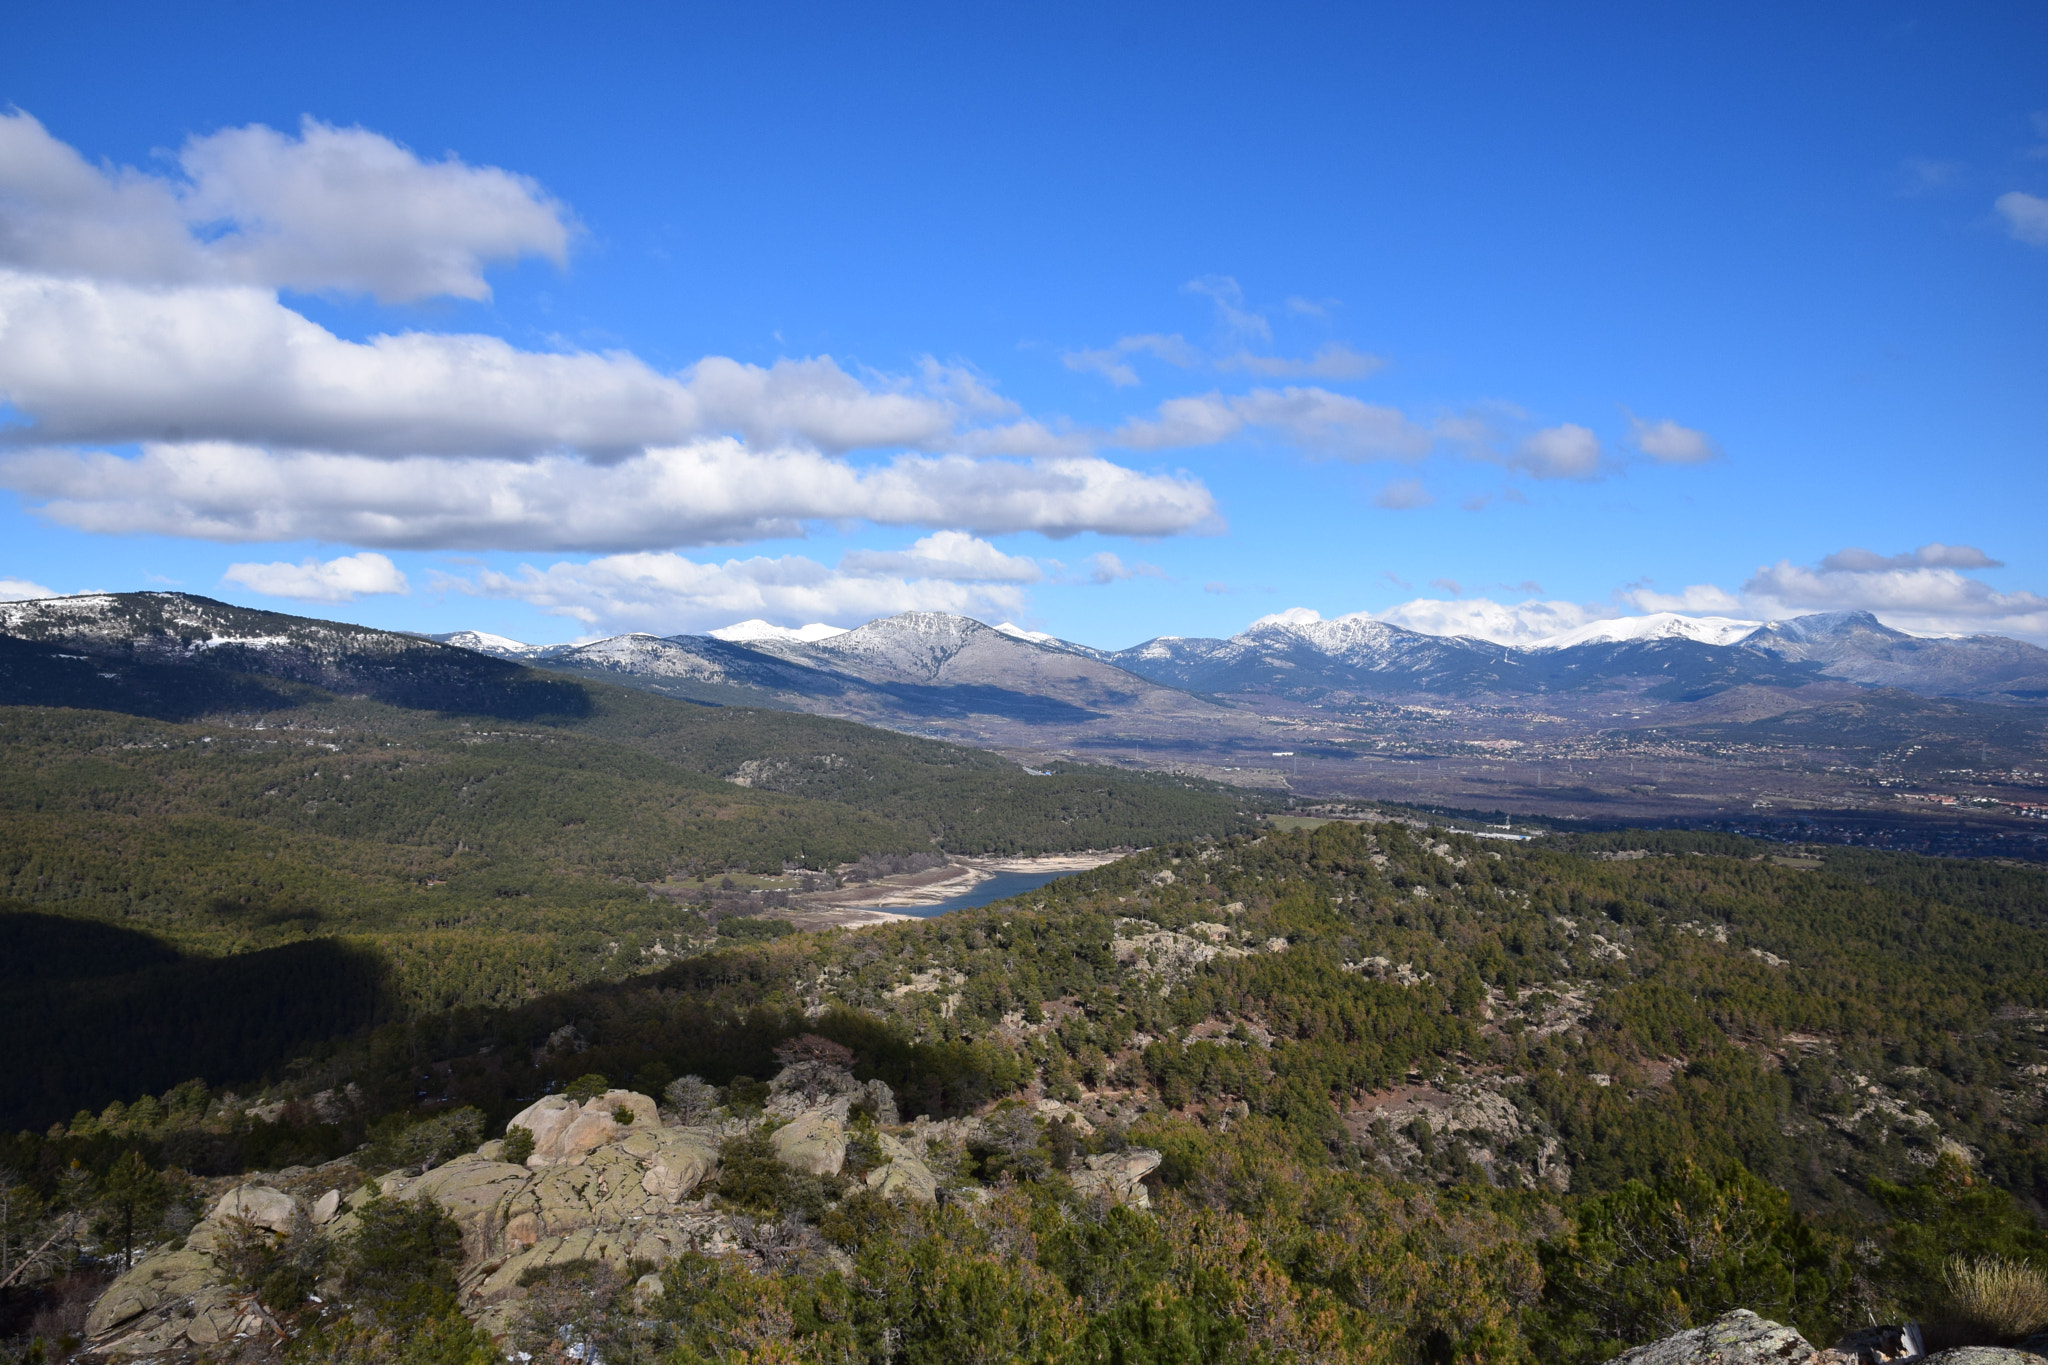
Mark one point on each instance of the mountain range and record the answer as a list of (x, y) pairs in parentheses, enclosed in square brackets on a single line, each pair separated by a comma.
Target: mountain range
[(1673, 656), (1649, 716)]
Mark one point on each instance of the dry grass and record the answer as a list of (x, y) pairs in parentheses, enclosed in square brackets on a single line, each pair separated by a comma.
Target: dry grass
[(1992, 1300)]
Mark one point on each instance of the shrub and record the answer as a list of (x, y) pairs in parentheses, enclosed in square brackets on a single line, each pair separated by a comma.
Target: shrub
[(408, 1140), (587, 1087), (280, 1270), (518, 1145), (1991, 1300), (750, 929), (752, 1177)]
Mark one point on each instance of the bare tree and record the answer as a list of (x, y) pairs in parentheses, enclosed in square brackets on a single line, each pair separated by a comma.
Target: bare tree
[(692, 1098)]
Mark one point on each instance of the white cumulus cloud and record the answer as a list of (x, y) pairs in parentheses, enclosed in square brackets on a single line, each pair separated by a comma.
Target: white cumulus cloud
[(335, 580), (20, 589), (946, 554), (1933, 555), (142, 308), (1669, 443), (1565, 451), (668, 593), (94, 361), (715, 491), (340, 209), (1923, 591), (1520, 623)]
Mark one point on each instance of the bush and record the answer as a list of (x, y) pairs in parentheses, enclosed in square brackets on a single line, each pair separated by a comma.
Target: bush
[(750, 929), (518, 1145), (587, 1087), (280, 1271), (752, 1177), (1992, 1300), (405, 1140), (1648, 1260)]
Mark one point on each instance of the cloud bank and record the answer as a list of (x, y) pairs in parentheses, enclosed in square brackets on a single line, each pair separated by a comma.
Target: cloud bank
[(1923, 591), (668, 593), (148, 309)]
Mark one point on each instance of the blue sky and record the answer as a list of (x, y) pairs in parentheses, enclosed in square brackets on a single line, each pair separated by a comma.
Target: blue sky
[(1117, 321)]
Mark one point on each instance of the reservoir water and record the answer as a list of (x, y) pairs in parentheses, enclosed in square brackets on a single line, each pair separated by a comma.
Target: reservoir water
[(997, 887)]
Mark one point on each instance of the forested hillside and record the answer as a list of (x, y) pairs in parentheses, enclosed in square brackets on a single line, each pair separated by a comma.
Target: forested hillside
[(1420, 1096), (300, 839)]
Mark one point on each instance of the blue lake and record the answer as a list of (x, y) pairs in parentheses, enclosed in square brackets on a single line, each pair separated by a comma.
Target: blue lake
[(1001, 885)]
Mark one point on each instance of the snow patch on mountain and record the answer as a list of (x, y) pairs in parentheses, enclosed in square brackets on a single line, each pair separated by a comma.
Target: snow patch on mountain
[(1662, 625), (500, 646), (1036, 637)]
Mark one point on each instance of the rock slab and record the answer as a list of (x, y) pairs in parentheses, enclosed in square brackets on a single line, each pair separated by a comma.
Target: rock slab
[(1737, 1338)]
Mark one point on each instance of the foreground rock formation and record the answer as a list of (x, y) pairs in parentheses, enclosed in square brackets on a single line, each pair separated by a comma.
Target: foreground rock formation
[(607, 1181), (1743, 1338)]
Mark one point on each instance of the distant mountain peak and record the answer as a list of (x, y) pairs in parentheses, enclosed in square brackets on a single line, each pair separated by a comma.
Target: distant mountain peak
[(1831, 625), (498, 646), (1661, 625)]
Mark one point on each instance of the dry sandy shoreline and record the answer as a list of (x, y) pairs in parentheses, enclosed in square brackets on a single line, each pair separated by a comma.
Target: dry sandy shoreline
[(856, 907)]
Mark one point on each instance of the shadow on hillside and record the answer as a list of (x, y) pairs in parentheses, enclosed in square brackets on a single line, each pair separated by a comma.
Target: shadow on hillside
[(38, 673), (44, 673), (982, 700), (102, 1013)]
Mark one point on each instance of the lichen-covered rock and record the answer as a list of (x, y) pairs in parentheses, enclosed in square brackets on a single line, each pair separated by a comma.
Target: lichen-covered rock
[(1737, 1338), (1118, 1176), (813, 1141), (905, 1178), (254, 1205), (904, 1175), (1985, 1355), (156, 1279), (678, 1161), (476, 1193), (565, 1132)]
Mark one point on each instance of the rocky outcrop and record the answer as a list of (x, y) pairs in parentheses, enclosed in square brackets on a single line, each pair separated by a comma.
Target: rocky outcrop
[(173, 1299), (565, 1132), (1737, 1338), (597, 1190), (1743, 1338), (1118, 1176), (814, 1141), (903, 1175), (1483, 1122)]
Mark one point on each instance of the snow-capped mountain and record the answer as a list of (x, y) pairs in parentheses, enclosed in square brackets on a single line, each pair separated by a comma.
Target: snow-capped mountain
[(1293, 654), (1349, 653), (1662, 625), (1857, 646), (498, 646), (747, 632), (170, 653)]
